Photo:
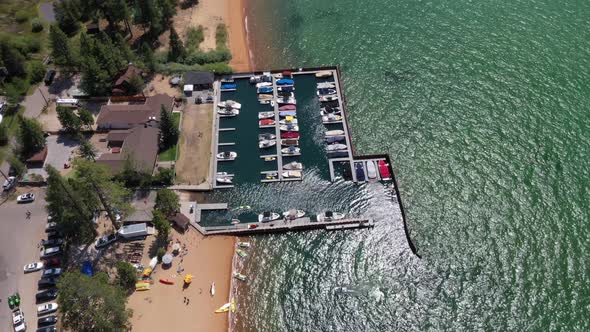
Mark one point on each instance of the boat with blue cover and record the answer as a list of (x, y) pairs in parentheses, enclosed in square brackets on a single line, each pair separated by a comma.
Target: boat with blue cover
[(264, 89), (285, 81), (285, 114), (229, 87), (360, 171)]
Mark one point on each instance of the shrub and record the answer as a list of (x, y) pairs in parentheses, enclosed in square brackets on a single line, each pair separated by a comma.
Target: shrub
[(201, 58), (174, 68), (194, 37), (36, 25), (160, 253), (221, 36), (3, 135), (36, 71), (126, 275), (22, 15), (26, 44)]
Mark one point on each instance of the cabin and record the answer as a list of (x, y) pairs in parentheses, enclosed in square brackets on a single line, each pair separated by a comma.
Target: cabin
[(180, 221), (127, 115), (139, 145), (198, 81), (38, 159), (123, 85), (92, 28)]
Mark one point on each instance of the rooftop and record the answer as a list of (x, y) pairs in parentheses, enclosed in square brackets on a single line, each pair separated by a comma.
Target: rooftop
[(140, 145), (124, 116)]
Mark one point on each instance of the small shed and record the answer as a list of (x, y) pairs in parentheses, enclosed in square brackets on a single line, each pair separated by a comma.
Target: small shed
[(38, 159), (200, 80), (181, 221), (188, 90), (133, 231)]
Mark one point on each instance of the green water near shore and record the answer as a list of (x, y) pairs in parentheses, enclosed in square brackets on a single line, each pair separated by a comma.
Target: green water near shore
[(484, 110)]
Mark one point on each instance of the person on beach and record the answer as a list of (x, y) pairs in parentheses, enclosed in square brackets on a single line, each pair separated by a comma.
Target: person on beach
[(28, 214)]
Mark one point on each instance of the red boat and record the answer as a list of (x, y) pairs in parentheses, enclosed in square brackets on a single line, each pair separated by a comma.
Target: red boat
[(287, 108), (290, 134), (167, 281), (287, 74), (384, 170), (266, 122)]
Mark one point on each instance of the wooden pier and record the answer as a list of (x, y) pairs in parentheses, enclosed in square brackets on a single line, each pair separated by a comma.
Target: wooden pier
[(226, 144), (227, 129)]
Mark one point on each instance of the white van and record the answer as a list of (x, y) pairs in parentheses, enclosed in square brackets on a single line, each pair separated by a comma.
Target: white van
[(69, 102)]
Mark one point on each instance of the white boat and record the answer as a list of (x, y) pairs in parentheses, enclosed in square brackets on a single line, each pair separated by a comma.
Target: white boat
[(265, 97), (332, 139), (271, 176), (328, 98), (224, 179), (330, 216), (371, 170), (336, 147), (331, 118), (212, 291), (290, 101), (325, 92), (267, 143), (326, 85), (292, 174), (263, 84), (294, 214), (255, 79), (270, 158), (288, 122), (266, 136), (323, 74), (231, 155), (229, 103), (222, 173), (268, 216), (227, 112), (293, 166), (266, 115), (334, 132), (291, 151), (289, 128)]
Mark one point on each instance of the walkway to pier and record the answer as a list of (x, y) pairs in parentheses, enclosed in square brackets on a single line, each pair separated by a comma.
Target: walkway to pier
[(277, 130)]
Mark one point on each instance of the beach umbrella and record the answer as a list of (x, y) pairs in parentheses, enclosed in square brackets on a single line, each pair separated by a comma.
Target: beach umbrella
[(176, 247), (167, 259)]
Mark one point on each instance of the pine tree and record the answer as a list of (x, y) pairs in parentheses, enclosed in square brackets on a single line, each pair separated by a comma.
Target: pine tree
[(67, 15), (148, 57), (68, 119), (30, 136), (115, 11), (176, 51), (61, 49), (12, 60), (168, 129), (86, 117), (168, 10)]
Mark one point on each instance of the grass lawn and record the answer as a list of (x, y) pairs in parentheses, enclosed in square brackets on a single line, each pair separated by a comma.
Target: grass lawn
[(11, 122), (170, 153)]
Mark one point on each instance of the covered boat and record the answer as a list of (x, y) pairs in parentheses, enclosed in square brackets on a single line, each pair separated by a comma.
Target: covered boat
[(330, 216), (292, 150), (328, 98), (266, 122), (264, 89), (266, 136), (290, 101), (290, 142), (288, 88), (266, 115), (338, 138), (326, 85), (228, 112), (285, 114), (263, 84), (371, 170), (323, 74), (267, 143), (384, 170), (292, 174), (240, 276), (228, 155), (334, 132), (293, 166), (290, 134), (286, 121), (268, 216), (360, 171), (230, 104), (294, 214), (331, 118), (285, 81), (289, 128), (336, 147), (325, 91), (229, 87), (287, 108)]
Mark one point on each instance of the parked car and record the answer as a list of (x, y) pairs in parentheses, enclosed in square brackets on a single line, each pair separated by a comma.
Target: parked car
[(52, 262), (9, 183), (47, 320), (52, 272), (26, 198), (49, 76), (47, 282), (51, 226), (46, 295), (53, 235), (105, 240), (18, 321), (47, 329), (32, 267), (55, 242), (46, 308), (51, 251)]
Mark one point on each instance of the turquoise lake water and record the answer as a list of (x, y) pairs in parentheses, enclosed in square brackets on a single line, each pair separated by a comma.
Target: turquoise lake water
[(484, 109)]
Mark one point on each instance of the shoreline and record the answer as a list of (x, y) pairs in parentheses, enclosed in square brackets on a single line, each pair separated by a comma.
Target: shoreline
[(238, 37)]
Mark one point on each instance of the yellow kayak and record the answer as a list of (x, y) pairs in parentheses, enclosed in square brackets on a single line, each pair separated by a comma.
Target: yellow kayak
[(233, 305), (224, 308)]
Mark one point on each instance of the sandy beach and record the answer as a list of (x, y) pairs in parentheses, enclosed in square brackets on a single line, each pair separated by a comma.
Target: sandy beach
[(163, 307), (210, 13)]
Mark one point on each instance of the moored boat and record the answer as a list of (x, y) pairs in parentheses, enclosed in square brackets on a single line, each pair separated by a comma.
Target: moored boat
[(293, 166), (229, 103), (223, 308), (286, 88), (330, 216), (325, 91), (326, 85), (291, 151), (241, 253), (360, 171), (287, 108), (263, 84), (270, 158), (290, 134), (285, 81), (331, 118), (224, 179), (290, 101), (266, 122), (267, 136), (289, 128), (292, 121), (264, 90), (294, 214), (228, 87), (284, 114), (334, 132), (228, 155), (323, 74), (271, 175), (267, 143), (371, 170), (336, 147), (244, 244), (337, 138), (227, 112), (268, 216), (292, 174), (328, 98), (239, 276), (290, 142), (384, 170), (266, 115)]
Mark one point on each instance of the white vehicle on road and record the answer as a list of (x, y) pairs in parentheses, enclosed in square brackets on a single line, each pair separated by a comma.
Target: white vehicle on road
[(26, 198), (48, 252), (52, 272), (9, 183), (33, 267), (18, 321), (46, 308)]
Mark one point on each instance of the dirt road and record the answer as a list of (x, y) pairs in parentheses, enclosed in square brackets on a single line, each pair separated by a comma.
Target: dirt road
[(192, 166)]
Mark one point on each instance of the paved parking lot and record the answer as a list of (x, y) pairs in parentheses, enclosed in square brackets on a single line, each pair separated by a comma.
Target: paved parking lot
[(60, 150)]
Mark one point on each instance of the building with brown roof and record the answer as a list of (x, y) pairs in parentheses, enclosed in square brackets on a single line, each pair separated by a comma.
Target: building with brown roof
[(123, 85), (38, 159), (139, 145), (126, 116), (181, 221)]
